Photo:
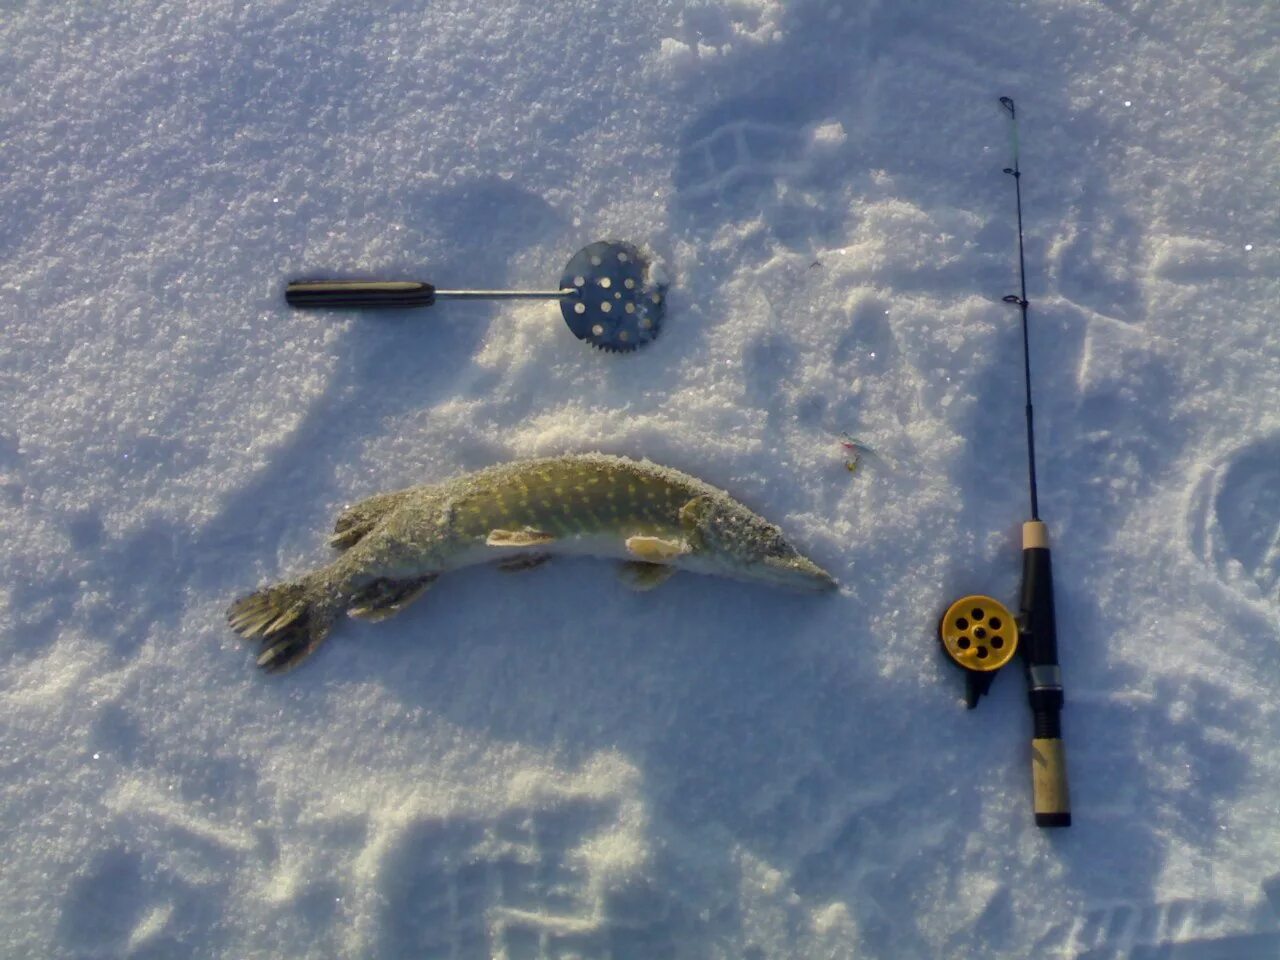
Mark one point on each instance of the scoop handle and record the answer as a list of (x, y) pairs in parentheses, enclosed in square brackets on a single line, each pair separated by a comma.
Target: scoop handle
[(358, 294)]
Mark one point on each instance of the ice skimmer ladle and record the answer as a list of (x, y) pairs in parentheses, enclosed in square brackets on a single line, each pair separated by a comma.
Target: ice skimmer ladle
[(610, 295)]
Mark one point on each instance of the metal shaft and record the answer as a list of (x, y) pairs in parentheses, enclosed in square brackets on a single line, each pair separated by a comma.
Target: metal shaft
[(396, 294), (506, 294)]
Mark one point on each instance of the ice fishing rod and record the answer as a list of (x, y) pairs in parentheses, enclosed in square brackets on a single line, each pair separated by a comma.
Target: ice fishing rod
[(978, 632), (1038, 622)]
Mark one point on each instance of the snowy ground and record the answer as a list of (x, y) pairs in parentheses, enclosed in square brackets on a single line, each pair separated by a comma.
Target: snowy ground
[(547, 765)]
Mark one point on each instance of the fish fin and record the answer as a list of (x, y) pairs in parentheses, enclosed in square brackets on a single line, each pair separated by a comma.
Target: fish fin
[(526, 561), (518, 538), (354, 523), (694, 509), (656, 549), (385, 598), (691, 516), (642, 576), (285, 620)]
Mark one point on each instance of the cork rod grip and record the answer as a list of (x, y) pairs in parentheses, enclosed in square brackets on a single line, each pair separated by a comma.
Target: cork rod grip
[(1052, 803)]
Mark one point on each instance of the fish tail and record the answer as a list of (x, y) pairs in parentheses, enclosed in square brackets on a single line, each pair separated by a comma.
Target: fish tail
[(287, 619)]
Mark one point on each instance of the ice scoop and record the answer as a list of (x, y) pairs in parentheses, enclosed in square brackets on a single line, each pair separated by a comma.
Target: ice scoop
[(611, 295)]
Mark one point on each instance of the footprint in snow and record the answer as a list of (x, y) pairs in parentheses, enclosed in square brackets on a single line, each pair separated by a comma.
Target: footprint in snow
[(1234, 519), (1191, 929), (520, 887)]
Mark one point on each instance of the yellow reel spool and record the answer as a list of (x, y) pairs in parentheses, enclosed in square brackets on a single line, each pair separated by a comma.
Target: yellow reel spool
[(979, 633)]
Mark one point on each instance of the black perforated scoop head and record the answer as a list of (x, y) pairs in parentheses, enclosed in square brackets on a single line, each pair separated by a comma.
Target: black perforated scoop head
[(620, 302)]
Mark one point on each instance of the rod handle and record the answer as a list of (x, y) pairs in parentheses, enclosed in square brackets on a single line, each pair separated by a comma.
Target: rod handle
[(1051, 799), (1039, 621), (1038, 642), (358, 294)]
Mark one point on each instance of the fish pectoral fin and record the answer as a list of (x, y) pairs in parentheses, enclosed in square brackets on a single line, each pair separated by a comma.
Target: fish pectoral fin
[(694, 509), (656, 549), (691, 517), (517, 538), (386, 598), (526, 561), (642, 576)]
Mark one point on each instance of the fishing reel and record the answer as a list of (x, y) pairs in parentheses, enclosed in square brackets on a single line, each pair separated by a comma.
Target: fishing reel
[(980, 635)]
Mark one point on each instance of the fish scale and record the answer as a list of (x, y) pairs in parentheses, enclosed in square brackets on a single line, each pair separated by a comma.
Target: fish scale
[(570, 502)]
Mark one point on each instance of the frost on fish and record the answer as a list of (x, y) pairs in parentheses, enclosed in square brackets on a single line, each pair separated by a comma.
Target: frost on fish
[(655, 519)]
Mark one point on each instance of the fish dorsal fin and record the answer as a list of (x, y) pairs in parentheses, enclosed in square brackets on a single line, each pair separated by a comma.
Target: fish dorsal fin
[(656, 549), (645, 576), (517, 538), (356, 521)]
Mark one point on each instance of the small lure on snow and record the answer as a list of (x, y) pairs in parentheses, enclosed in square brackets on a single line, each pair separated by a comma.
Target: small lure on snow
[(655, 519), (856, 453)]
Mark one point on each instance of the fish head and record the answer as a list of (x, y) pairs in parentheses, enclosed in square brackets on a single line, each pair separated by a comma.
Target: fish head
[(730, 540)]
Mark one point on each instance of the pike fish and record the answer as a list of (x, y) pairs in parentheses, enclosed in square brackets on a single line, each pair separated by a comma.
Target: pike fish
[(655, 519)]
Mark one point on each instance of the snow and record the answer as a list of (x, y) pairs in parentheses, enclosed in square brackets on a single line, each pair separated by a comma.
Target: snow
[(547, 765)]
